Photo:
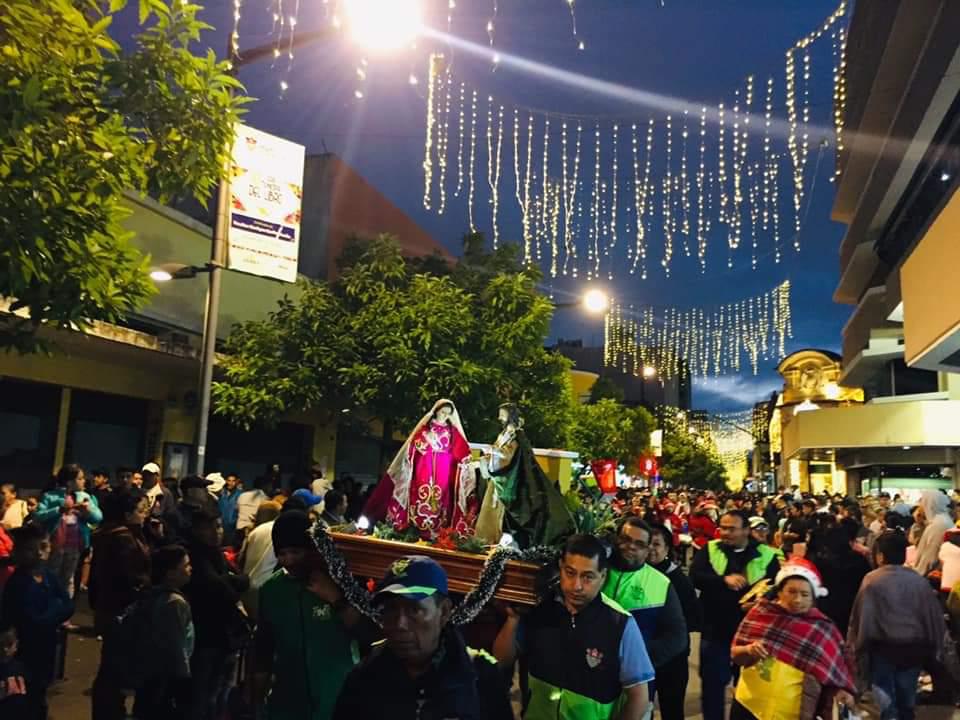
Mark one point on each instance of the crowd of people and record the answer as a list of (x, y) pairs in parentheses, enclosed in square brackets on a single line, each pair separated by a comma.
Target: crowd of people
[(212, 601)]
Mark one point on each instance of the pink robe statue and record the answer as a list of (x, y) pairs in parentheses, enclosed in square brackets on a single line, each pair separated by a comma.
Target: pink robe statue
[(427, 492)]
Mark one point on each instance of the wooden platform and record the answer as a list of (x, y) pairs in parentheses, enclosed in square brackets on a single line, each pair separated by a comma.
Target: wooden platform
[(370, 557)]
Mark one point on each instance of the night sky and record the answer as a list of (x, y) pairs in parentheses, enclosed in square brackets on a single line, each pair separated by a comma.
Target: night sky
[(696, 51)]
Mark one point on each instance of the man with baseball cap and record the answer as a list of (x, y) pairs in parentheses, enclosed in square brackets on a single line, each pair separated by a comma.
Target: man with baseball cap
[(423, 669), (305, 644)]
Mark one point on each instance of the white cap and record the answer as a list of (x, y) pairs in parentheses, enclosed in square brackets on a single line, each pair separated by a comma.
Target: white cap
[(151, 467), (216, 482)]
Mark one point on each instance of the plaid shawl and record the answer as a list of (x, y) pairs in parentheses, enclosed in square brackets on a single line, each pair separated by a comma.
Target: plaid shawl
[(809, 642)]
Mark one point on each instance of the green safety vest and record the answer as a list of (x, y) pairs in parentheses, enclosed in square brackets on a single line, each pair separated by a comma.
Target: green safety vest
[(756, 569)]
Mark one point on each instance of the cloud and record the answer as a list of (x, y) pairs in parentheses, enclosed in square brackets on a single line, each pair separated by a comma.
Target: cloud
[(729, 392)]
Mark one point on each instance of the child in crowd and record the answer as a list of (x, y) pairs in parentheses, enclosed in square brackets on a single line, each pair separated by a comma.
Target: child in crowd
[(35, 604), (13, 684)]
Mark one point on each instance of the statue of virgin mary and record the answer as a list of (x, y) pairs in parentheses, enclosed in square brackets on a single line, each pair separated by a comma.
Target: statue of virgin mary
[(425, 476)]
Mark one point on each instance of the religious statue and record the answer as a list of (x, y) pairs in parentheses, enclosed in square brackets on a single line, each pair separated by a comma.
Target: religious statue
[(427, 492), (519, 497)]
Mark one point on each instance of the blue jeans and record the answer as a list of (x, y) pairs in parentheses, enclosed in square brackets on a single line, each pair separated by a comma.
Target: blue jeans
[(899, 686), (716, 672)]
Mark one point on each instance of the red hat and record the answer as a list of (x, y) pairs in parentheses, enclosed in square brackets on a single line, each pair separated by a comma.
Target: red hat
[(798, 567)]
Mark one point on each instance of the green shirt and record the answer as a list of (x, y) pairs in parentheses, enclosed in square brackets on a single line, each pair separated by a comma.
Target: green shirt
[(313, 653)]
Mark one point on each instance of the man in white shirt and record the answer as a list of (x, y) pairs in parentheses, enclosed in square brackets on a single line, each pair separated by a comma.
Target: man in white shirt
[(247, 505), (14, 510)]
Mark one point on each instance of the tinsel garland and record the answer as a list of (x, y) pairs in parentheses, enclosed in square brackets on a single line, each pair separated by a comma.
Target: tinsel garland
[(352, 591), (490, 577), (464, 613)]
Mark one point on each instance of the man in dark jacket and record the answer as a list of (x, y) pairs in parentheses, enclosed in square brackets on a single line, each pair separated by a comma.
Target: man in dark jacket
[(221, 624), (423, 669), (724, 570), (672, 680), (646, 593)]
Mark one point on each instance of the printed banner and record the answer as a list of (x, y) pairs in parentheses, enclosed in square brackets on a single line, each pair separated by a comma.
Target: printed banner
[(266, 193)]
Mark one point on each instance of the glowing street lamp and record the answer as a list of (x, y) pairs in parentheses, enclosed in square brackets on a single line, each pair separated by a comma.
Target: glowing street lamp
[(596, 301), (383, 25)]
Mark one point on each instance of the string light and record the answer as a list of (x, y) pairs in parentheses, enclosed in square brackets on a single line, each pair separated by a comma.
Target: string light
[(767, 115), (668, 223), (544, 211), (473, 159), (722, 164), (839, 95), (701, 178), (435, 62), (706, 342), (443, 140), (526, 189), (593, 256), (685, 188), (460, 131), (493, 168), (612, 244), (573, 20), (572, 216)]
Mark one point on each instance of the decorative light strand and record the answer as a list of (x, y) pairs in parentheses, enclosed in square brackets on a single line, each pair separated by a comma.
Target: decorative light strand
[(544, 212), (667, 185), (615, 183), (473, 157), (591, 210), (701, 183), (706, 342), (460, 138), (494, 166), (435, 62), (443, 141)]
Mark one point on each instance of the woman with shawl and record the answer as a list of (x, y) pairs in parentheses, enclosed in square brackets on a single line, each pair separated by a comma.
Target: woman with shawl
[(426, 492), (792, 654)]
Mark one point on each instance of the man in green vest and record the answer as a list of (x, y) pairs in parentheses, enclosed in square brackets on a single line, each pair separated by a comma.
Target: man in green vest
[(585, 653), (647, 594), (723, 571)]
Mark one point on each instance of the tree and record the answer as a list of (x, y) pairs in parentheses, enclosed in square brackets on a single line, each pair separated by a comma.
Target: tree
[(81, 122), (689, 461), (606, 388), (607, 429), (388, 341)]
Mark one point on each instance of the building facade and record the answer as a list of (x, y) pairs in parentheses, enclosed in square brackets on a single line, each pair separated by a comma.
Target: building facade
[(897, 194)]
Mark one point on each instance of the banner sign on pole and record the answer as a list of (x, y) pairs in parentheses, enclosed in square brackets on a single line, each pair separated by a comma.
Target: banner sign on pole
[(266, 194)]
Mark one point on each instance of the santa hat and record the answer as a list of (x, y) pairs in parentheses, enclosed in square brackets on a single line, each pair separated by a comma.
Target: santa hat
[(798, 567)]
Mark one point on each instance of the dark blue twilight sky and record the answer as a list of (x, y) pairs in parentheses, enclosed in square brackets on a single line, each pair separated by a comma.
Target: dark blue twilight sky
[(692, 50)]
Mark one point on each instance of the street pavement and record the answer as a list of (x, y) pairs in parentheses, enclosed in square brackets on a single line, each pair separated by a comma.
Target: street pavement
[(69, 700)]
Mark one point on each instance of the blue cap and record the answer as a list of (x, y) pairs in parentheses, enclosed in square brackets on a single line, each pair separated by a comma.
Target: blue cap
[(416, 577)]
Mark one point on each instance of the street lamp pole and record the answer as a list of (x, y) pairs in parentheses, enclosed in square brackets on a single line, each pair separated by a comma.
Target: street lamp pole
[(218, 254)]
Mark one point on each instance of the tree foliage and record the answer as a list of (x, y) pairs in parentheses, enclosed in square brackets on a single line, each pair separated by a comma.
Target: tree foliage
[(605, 388), (81, 122), (607, 429), (387, 340), (689, 461)]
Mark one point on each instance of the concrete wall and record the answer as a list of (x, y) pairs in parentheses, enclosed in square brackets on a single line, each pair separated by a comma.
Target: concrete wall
[(931, 292)]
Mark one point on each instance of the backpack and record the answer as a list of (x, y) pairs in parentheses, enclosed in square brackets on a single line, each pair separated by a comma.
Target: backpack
[(128, 638)]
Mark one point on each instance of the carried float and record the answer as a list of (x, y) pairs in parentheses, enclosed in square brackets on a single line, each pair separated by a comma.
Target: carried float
[(492, 515)]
